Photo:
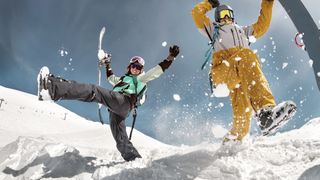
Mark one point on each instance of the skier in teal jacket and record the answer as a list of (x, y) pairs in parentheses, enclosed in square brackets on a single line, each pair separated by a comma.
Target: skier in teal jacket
[(119, 101)]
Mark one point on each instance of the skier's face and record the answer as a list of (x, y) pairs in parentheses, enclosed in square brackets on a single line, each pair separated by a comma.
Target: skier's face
[(135, 69), (226, 20), (225, 17)]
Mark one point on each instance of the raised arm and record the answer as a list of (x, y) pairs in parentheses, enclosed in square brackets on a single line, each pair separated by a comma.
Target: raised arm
[(105, 59), (156, 71), (260, 27), (113, 79), (202, 21)]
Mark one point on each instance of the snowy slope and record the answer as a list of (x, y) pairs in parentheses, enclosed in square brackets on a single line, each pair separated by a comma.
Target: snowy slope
[(38, 141)]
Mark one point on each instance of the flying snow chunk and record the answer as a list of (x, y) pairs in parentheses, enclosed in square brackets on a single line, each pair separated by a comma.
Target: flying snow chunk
[(284, 65), (164, 43), (311, 62), (182, 56), (252, 39), (218, 131), (221, 91), (226, 63), (263, 60), (176, 97), (295, 71), (318, 74), (238, 58)]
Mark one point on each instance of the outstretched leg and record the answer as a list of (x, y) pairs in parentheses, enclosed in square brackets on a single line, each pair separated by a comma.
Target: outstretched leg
[(56, 88), (118, 128), (72, 90)]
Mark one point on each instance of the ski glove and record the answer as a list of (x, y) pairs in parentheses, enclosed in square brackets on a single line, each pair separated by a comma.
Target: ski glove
[(214, 3), (101, 54), (173, 52), (104, 58)]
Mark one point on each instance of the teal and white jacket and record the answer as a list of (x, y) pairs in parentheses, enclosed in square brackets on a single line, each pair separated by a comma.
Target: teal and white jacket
[(136, 85)]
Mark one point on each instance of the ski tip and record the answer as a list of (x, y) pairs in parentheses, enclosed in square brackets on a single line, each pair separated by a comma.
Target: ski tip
[(44, 70), (103, 29)]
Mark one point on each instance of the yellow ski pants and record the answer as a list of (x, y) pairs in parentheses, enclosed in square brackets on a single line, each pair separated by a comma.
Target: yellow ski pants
[(240, 70)]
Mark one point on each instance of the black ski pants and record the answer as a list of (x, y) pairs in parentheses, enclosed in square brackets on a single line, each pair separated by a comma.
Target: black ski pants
[(119, 106)]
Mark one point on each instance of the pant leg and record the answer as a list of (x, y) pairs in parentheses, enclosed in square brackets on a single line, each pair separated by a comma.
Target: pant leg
[(254, 81), (72, 90), (118, 129), (242, 112)]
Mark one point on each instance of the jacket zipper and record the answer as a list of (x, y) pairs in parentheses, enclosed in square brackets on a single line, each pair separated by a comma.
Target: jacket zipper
[(238, 36), (234, 40)]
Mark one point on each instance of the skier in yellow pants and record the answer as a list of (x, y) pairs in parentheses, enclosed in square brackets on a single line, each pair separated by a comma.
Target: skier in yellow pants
[(238, 67)]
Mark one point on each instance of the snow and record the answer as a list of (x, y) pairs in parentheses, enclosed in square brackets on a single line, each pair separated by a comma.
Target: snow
[(221, 91), (176, 97), (284, 65), (63, 52), (226, 63), (164, 44), (42, 140), (263, 60), (252, 39), (311, 62), (219, 131), (238, 58)]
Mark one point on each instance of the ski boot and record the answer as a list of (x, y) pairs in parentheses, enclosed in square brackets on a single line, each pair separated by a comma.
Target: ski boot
[(131, 155), (271, 119), (43, 92)]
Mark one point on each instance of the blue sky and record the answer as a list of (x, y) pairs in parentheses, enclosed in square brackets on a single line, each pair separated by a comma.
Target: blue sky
[(34, 33)]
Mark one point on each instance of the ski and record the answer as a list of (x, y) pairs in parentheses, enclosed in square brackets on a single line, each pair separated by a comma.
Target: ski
[(103, 30)]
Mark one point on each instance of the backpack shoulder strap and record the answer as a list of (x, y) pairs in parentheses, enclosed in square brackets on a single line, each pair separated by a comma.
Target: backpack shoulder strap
[(213, 39)]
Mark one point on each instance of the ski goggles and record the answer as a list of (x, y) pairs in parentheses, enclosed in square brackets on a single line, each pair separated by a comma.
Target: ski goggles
[(137, 59), (224, 13), (136, 66)]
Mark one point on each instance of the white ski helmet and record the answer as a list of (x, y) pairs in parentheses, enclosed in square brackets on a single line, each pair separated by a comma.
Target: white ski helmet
[(137, 59)]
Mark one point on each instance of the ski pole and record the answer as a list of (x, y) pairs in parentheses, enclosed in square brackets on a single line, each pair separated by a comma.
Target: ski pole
[(134, 115)]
